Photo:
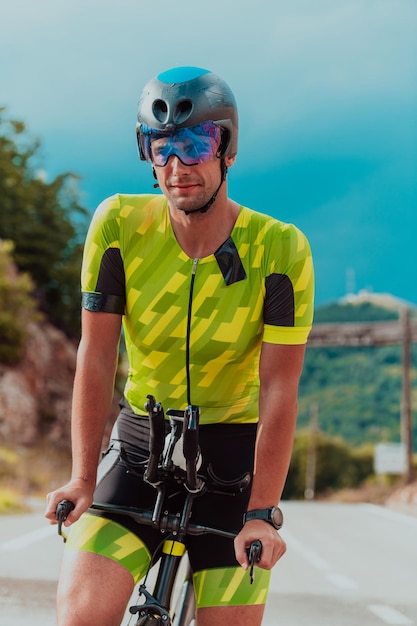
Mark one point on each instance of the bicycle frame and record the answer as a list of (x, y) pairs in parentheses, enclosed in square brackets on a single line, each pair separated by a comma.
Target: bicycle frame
[(156, 608), (157, 605)]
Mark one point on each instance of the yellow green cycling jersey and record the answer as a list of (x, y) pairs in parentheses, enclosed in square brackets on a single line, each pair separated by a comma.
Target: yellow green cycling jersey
[(193, 328)]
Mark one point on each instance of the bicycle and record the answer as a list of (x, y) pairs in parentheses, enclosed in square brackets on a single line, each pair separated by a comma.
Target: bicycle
[(156, 607)]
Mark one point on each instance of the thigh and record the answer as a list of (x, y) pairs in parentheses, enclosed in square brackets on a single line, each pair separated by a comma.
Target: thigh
[(120, 481), (221, 585), (118, 537), (92, 589), (230, 616), (229, 451)]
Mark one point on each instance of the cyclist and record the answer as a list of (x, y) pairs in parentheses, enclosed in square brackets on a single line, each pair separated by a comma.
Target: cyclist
[(216, 302)]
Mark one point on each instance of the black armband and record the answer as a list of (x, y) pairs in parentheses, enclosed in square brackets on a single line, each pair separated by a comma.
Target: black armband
[(102, 302)]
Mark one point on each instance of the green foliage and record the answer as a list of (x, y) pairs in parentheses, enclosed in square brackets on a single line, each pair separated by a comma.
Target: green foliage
[(338, 465), (44, 220), (349, 312), (357, 390), (17, 307)]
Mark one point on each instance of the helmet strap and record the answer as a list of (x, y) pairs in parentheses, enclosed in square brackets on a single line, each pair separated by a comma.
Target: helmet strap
[(156, 185), (208, 204)]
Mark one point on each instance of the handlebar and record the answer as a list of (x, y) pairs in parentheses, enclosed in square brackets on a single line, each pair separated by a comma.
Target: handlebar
[(156, 438), (167, 523), (190, 445)]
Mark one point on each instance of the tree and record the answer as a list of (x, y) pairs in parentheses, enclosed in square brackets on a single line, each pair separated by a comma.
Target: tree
[(17, 307), (46, 224), (338, 465)]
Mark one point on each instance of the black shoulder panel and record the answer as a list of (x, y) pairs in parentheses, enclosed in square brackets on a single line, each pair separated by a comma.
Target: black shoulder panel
[(111, 277), (229, 262), (279, 308)]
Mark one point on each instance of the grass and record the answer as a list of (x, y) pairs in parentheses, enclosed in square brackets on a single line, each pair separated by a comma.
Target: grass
[(11, 502)]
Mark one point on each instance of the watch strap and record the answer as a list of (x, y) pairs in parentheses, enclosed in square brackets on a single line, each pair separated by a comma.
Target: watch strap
[(263, 514), (266, 515)]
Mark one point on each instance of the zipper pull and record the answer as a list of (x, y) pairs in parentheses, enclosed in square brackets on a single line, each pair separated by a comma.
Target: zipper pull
[(195, 261)]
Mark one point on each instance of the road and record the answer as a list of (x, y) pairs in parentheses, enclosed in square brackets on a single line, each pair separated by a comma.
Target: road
[(346, 564)]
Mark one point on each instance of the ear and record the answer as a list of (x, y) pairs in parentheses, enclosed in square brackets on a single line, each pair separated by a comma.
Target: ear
[(229, 160)]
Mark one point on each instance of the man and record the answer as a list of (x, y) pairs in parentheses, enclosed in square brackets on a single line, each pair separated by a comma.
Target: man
[(216, 302)]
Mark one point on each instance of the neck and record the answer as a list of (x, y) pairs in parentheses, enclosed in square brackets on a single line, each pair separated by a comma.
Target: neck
[(201, 234)]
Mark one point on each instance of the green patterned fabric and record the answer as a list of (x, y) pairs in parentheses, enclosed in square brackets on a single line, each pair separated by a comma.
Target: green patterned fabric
[(102, 536), (230, 586), (227, 325)]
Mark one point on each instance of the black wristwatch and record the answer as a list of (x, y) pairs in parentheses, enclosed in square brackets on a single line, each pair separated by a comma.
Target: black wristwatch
[(273, 516)]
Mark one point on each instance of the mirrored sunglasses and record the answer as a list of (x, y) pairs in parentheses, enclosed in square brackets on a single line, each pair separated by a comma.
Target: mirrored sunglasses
[(193, 145)]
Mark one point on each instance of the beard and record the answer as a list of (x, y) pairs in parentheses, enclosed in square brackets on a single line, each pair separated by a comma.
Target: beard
[(194, 199)]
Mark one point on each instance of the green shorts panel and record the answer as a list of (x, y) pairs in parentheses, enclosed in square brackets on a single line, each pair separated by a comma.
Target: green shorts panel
[(112, 540), (230, 586)]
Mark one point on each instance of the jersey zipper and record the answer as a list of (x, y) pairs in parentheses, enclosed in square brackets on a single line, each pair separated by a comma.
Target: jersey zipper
[(187, 344)]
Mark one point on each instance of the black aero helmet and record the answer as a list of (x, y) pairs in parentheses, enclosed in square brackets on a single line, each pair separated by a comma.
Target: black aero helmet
[(186, 96)]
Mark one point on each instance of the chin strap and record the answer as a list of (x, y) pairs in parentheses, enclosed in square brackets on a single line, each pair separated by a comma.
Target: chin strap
[(207, 205), (156, 185)]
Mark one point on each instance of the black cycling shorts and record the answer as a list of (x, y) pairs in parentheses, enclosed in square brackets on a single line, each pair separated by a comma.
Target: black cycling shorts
[(228, 448)]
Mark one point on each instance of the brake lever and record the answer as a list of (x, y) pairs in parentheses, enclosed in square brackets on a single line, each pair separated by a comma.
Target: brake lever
[(254, 556), (63, 509)]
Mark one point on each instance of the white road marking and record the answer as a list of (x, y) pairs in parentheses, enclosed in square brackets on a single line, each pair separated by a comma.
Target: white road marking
[(338, 580), (28, 538), (312, 557), (389, 615)]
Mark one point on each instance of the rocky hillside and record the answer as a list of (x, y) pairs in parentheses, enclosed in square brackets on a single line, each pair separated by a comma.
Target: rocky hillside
[(35, 395)]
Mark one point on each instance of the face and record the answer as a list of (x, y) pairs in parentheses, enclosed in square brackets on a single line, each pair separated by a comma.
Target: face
[(188, 187), (186, 163)]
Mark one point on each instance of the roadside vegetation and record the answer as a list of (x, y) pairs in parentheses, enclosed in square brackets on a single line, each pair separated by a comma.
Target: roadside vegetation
[(29, 473), (17, 307), (46, 223)]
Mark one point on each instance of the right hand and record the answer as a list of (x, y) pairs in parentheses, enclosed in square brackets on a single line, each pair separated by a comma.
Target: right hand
[(77, 491), (273, 545)]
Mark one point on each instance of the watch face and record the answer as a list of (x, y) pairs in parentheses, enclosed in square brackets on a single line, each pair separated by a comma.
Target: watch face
[(277, 517)]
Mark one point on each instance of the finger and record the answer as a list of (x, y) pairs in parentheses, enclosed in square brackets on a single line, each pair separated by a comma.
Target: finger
[(278, 552), (50, 509), (240, 553)]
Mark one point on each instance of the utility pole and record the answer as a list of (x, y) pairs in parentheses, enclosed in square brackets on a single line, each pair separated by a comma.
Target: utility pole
[(406, 408), (312, 453)]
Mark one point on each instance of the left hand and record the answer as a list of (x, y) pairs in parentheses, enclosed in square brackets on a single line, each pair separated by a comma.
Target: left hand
[(273, 546)]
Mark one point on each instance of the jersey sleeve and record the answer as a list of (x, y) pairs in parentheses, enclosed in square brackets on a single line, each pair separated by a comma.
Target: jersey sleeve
[(289, 289), (102, 274)]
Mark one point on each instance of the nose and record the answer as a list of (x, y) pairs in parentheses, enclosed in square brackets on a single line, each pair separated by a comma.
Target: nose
[(176, 165)]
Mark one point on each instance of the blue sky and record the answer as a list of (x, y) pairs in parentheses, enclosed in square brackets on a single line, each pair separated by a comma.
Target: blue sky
[(327, 95)]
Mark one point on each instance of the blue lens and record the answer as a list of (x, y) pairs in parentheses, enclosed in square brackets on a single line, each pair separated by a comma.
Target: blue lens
[(193, 145)]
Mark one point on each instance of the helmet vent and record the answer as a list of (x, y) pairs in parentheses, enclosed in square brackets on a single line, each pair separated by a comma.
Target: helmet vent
[(182, 111), (160, 110)]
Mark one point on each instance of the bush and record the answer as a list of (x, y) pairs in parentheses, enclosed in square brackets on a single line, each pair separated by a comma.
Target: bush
[(338, 465), (17, 307)]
